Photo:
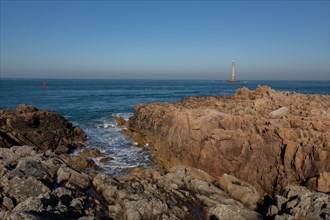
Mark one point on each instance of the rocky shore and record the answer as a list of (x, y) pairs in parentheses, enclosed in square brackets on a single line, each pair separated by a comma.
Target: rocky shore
[(265, 137), (272, 140), (218, 155)]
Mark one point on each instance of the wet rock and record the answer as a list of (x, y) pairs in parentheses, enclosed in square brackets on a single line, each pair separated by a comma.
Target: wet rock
[(120, 121), (36, 182), (91, 153), (78, 162), (40, 129), (106, 159)]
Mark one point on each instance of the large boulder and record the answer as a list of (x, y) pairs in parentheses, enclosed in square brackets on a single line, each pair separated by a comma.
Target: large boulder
[(41, 129), (21, 189), (264, 137), (239, 190)]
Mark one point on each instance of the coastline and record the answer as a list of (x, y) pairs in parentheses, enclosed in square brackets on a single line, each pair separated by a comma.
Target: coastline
[(259, 136)]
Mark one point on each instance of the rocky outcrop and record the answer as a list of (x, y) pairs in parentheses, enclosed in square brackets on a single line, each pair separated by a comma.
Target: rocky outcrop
[(180, 193), (45, 184), (38, 179), (41, 129), (42, 186), (267, 138), (42, 181), (299, 203)]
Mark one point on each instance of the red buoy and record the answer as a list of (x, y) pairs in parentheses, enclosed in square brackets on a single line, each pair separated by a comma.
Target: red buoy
[(45, 85)]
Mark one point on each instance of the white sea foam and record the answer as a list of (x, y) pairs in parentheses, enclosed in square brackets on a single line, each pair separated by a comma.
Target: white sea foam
[(125, 116), (105, 136)]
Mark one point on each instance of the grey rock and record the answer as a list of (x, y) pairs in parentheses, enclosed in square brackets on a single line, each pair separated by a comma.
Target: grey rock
[(293, 191), (62, 191), (32, 167), (272, 210), (73, 177), (22, 216), (130, 210), (87, 218), (52, 164), (279, 112), (30, 204), (230, 212), (7, 203), (291, 204), (78, 205), (280, 200), (302, 203), (22, 189), (155, 194)]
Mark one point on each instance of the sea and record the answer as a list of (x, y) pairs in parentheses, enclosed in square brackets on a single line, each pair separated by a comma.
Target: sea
[(92, 104)]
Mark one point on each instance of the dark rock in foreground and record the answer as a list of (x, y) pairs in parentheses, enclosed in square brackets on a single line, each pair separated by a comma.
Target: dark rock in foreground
[(43, 130), (297, 202), (39, 186), (42, 186), (179, 193)]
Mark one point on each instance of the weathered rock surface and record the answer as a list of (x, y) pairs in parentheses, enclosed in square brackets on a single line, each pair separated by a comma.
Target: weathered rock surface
[(41, 182), (42, 186), (180, 193), (239, 190), (41, 129), (300, 203), (264, 137)]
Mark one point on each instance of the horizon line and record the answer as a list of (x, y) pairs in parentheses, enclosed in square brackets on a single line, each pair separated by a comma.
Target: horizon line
[(163, 79)]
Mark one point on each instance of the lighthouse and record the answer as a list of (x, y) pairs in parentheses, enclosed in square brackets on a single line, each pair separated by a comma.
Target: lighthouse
[(233, 79), (233, 72)]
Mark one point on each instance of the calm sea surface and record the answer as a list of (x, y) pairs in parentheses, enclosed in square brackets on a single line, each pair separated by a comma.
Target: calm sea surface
[(91, 104)]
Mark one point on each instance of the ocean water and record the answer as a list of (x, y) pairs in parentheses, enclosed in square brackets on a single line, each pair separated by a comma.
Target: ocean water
[(91, 105)]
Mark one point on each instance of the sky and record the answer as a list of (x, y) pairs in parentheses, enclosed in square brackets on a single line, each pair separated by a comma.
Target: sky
[(268, 40)]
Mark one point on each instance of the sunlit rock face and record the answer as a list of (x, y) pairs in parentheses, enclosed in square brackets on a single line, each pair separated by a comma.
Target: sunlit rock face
[(265, 137)]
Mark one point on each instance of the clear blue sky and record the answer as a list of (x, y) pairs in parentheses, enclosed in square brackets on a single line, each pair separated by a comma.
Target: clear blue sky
[(280, 40)]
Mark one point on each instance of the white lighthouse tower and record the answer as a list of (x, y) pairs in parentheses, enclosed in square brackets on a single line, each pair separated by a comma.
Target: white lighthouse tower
[(233, 78), (233, 72)]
